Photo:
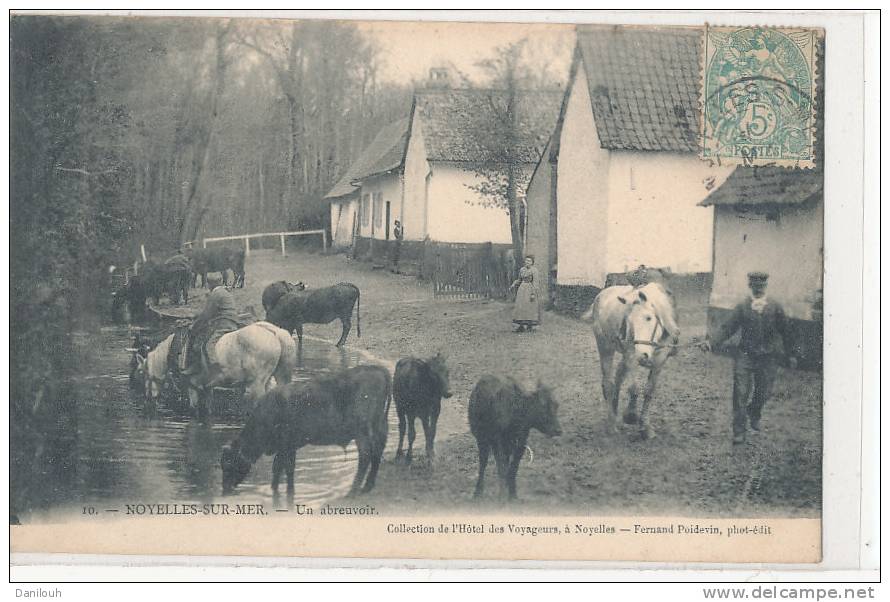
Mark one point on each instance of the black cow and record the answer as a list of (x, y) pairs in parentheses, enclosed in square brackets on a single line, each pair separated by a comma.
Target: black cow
[(217, 259), (133, 295), (171, 279), (153, 280), (418, 388), (275, 291), (501, 415), (176, 275), (331, 410), (320, 306)]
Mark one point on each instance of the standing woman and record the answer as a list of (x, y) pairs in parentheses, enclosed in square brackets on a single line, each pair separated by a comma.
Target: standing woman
[(527, 309)]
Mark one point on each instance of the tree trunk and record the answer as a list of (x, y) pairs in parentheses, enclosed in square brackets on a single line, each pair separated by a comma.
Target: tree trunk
[(196, 209), (512, 159), (262, 216)]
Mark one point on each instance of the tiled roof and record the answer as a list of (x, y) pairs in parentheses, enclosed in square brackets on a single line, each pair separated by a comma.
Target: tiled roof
[(383, 154), (460, 124), (767, 185), (644, 85)]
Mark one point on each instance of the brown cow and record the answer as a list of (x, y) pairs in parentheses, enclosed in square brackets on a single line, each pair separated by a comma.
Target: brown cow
[(217, 259), (501, 415), (320, 306)]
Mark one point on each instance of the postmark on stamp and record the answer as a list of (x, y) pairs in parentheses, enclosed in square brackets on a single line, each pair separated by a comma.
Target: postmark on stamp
[(758, 87)]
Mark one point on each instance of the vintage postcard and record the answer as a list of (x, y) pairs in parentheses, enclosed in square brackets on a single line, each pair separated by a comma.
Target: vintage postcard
[(416, 290)]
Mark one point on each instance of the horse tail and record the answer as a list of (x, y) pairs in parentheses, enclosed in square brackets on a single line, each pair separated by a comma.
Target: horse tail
[(287, 360)]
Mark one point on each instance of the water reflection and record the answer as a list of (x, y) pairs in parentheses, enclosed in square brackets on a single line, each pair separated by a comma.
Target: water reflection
[(110, 451)]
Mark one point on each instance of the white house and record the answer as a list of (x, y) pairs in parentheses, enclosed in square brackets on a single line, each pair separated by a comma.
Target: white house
[(367, 200), (771, 219), (621, 182), (446, 146)]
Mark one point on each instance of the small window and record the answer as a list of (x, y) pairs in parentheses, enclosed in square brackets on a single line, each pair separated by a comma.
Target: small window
[(366, 210)]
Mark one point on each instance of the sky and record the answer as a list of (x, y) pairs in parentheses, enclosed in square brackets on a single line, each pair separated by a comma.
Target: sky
[(410, 49)]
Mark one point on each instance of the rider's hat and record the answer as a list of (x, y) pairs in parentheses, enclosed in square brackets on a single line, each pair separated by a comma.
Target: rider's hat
[(213, 280), (638, 277)]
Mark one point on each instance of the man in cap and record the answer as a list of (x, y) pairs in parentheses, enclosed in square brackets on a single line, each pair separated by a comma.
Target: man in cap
[(218, 318), (764, 338)]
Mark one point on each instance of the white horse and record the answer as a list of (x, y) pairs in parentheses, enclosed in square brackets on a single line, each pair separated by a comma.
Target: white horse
[(641, 324), (153, 368), (249, 356)]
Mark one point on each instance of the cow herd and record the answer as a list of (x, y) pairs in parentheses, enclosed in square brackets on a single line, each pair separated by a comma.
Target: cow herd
[(353, 404), (636, 325), (175, 276)]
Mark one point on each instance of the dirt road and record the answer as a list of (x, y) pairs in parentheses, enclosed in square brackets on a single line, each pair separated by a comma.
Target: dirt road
[(690, 469)]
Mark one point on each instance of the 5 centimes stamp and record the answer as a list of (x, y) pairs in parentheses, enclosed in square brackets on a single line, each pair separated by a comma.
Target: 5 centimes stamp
[(758, 87)]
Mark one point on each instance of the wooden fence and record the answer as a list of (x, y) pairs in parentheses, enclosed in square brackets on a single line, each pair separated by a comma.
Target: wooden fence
[(469, 271), (281, 235)]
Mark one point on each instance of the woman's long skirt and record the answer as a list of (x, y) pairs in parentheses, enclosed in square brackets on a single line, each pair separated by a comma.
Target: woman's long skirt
[(527, 309)]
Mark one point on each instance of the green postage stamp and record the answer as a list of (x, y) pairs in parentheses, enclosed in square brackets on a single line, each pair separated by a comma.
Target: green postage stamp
[(758, 89)]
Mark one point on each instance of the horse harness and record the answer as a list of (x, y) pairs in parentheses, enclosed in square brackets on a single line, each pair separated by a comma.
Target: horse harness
[(656, 345)]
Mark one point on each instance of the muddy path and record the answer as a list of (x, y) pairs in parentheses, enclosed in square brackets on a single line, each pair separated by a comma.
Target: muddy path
[(690, 469)]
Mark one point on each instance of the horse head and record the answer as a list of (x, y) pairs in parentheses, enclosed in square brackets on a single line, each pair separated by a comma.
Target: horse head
[(648, 325), (137, 366)]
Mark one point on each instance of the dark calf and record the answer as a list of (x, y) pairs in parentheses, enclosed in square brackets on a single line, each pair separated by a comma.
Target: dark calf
[(332, 410), (501, 416), (418, 388), (275, 291)]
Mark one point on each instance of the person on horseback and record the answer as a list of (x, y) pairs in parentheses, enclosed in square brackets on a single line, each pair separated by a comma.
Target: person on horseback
[(638, 277), (218, 318)]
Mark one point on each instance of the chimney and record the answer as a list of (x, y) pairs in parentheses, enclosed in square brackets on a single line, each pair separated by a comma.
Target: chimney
[(440, 77)]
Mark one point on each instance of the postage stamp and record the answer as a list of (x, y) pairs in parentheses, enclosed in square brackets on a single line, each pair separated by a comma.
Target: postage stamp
[(502, 231), (758, 87)]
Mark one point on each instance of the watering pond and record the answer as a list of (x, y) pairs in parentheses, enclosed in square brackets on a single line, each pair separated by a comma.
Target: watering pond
[(114, 453)]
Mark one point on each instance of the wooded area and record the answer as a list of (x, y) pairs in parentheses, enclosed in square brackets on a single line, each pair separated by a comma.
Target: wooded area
[(155, 130), (194, 125)]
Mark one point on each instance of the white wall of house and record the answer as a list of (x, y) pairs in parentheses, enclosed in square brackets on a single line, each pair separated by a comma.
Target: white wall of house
[(343, 212), (788, 248), (417, 168), (375, 193), (653, 214), (582, 189), (457, 213)]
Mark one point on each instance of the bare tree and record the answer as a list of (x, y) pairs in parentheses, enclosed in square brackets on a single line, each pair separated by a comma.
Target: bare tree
[(498, 132)]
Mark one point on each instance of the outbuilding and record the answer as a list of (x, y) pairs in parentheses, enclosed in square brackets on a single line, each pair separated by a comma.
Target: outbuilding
[(770, 219), (367, 200)]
